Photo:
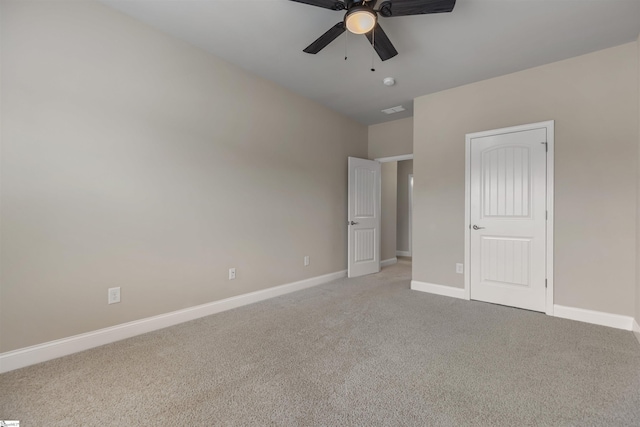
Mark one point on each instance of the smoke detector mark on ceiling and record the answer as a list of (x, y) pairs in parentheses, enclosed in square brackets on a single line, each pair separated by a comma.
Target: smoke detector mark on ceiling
[(393, 110), (389, 81)]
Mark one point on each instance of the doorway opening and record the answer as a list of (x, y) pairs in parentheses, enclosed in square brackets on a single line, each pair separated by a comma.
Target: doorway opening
[(379, 213), (396, 215)]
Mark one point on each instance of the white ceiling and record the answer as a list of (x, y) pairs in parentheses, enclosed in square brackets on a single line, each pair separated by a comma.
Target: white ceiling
[(480, 39)]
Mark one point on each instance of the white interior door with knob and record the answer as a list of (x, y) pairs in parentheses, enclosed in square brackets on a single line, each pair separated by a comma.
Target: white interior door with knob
[(507, 230), (364, 217)]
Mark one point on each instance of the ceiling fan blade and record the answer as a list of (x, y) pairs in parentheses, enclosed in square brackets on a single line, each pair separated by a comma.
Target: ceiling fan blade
[(389, 8), (326, 38), (381, 43), (327, 4)]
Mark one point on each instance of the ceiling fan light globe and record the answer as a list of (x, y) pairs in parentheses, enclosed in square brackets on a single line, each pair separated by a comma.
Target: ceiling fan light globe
[(360, 20)]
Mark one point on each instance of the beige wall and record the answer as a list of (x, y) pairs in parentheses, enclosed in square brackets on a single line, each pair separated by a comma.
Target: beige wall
[(594, 101), (389, 139), (389, 202), (132, 159), (405, 168)]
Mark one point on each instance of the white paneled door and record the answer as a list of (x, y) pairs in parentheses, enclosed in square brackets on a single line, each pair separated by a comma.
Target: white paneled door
[(364, 217), (508, 194)]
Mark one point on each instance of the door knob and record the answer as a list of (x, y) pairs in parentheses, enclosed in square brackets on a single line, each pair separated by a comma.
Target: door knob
[(351, 223), (475, 227)]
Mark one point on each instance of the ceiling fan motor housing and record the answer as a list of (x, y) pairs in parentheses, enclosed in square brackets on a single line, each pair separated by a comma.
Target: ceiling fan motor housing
[(351, 3)]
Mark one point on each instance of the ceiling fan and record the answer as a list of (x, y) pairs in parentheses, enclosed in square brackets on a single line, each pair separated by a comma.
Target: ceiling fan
[(362, 18)]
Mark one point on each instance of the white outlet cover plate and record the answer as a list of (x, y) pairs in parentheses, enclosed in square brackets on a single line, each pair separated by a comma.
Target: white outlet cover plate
[(113, 296)]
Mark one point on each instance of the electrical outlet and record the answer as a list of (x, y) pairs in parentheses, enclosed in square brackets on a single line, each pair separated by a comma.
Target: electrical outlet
[(113, 295), (306, 260), (459, 268), (232, 273)]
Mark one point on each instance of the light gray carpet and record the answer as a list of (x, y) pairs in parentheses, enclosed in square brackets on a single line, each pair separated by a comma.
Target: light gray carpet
[(365, 351)]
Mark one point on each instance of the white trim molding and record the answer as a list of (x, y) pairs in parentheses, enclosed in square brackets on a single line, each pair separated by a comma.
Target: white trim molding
[(636, 330), (53, 349), (432, 288), (389, 261), (395, 158), (403, 253), (617, 321), (410, 211)]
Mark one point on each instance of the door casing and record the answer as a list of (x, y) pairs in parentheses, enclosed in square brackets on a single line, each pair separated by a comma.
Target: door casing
[(549, 125), (410, 191)]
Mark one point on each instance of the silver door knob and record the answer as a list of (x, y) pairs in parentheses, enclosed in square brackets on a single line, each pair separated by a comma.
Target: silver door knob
[(351, 223), (475, 227)]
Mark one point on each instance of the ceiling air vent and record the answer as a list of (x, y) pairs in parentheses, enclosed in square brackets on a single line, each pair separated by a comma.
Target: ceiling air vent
[(393, 110)]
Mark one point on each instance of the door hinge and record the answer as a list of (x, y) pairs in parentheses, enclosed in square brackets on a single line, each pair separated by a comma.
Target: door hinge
[(546, 215), (545, 283), (546, 146)]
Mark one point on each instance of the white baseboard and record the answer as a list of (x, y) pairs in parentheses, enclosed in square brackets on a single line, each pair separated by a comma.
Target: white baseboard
[(596, 317), (636, 330), (389, 261), (53, 349), (403, 253), (447, 291)]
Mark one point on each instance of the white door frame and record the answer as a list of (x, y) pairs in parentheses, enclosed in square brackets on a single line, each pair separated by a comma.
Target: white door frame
[(395, 158), (410, 190), (549, 125)]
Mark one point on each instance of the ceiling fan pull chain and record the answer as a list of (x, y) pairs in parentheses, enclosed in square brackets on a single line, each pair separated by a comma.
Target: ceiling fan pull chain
[(373, 44), (346, 38)]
